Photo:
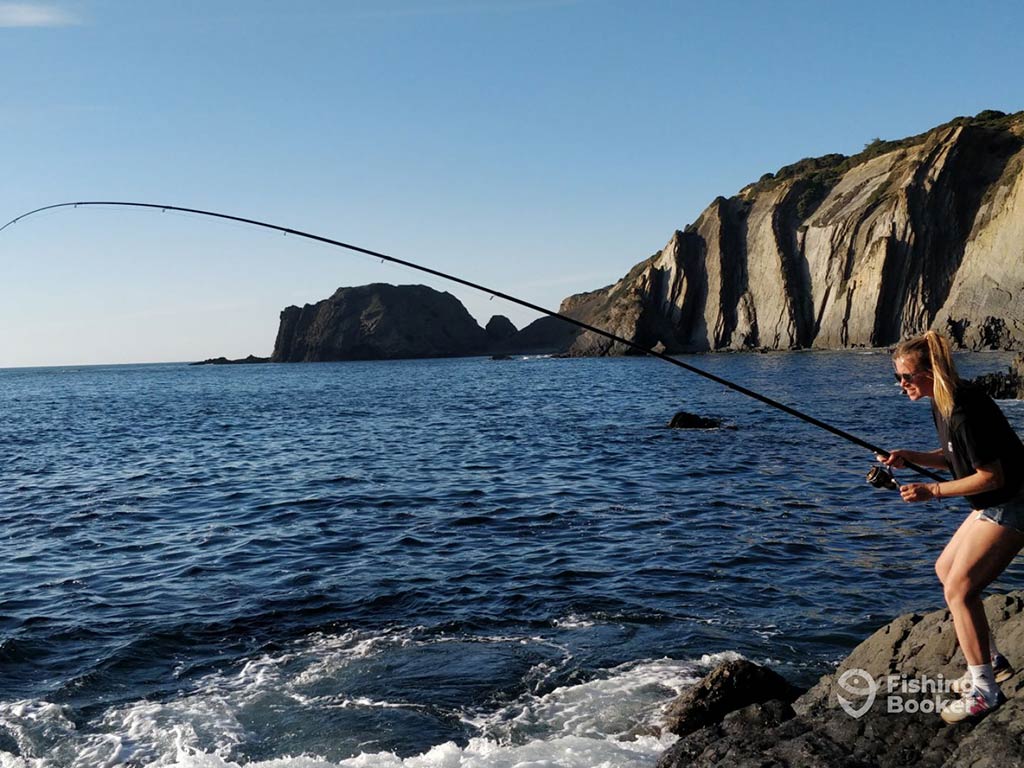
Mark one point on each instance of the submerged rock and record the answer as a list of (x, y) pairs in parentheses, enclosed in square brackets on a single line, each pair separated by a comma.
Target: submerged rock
[(895, 725), (684, 420)]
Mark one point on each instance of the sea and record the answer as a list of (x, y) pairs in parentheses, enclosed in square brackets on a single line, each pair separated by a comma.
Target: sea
[(460, 563)]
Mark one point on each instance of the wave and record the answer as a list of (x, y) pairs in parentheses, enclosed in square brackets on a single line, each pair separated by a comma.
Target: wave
[(321, 702)]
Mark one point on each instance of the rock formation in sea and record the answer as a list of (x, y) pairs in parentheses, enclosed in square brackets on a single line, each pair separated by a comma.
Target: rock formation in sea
[(250, 360), (835, 252), (383, 322), (1008, 385), (745, 717), (378, 322)]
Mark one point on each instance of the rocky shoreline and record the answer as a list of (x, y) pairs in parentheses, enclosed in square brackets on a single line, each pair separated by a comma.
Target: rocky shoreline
[(742, 715), (1008, 385)]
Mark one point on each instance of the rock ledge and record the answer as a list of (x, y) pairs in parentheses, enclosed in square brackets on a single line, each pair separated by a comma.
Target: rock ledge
[(761, 724)]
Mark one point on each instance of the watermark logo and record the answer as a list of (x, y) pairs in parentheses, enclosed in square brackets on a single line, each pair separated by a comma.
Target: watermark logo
[(859, 683), (903, 694)]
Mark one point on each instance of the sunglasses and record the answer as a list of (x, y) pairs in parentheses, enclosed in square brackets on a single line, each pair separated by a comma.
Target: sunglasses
[(906, 378)]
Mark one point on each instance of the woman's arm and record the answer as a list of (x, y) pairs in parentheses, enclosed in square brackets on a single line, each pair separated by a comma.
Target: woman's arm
[(900, 456), (985, 478)]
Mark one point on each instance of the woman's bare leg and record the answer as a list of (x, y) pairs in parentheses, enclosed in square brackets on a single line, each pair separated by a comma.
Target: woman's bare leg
[(945, 561), (982, 552)]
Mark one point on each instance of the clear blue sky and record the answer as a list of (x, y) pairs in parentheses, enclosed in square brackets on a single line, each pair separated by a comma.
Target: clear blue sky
[(539, 146)]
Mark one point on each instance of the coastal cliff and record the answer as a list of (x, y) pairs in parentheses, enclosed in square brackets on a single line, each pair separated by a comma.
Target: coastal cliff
[(827, 253), (836, 252)]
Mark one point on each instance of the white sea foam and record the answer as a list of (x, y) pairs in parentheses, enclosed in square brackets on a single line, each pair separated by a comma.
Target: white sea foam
[(574, 621), (611, 720), (621, 705), (563, 752)]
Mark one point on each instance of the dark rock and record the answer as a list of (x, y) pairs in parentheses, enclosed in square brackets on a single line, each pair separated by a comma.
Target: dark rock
[(499, 328), (762, 715), (379, 322), (546, 336), (382, 322), (817, 731), (1004, 386), (684, 420), (986, 332), (251, 359), (729, 687)]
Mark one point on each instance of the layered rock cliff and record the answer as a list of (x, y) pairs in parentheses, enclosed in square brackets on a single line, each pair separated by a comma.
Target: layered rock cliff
[(381, 321), (839, 251)]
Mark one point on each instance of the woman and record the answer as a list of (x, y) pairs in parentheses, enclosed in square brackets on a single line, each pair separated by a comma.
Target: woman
[(987, 461)]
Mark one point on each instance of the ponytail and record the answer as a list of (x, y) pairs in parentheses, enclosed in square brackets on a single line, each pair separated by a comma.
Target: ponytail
[(932, 352), (944, 372)]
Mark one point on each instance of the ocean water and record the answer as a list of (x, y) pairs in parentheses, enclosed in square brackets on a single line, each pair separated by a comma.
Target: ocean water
[(434, 563)]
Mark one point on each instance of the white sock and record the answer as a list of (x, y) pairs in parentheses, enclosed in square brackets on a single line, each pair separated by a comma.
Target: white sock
[(984, 680)]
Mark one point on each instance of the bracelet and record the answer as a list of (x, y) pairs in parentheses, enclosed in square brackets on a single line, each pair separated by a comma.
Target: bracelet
[(938, 491)]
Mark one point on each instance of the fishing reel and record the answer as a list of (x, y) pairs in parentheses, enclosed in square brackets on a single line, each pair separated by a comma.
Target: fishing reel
[(881, 477)]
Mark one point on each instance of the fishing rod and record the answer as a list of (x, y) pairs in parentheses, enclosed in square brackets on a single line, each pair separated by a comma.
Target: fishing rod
[(878, 477)]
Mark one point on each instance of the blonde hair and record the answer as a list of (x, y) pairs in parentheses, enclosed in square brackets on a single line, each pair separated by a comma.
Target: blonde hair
[(931, 351)]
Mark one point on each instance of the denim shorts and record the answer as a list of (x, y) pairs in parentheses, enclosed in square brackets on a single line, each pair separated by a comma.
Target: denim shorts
[(1009, 514)]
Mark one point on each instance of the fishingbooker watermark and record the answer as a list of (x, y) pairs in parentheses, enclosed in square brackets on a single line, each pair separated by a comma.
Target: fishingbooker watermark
[(858, 692)]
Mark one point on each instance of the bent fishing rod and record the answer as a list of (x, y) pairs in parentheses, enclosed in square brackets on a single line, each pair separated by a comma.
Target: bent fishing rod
[(876, 477)]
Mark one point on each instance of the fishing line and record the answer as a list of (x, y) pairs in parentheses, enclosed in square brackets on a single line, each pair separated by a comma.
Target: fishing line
[(491, 292)]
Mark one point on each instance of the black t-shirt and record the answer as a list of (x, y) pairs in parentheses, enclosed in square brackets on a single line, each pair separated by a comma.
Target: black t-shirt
[(978, 434)]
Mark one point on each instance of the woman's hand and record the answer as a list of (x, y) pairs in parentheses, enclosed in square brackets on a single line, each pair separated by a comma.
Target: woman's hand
[(896, 459), (917, 491)]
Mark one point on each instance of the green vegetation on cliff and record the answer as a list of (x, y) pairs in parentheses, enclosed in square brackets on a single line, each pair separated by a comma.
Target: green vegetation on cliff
[(814, 177)]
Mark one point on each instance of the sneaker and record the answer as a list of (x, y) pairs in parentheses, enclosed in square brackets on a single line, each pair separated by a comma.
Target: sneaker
[(971, 706), (1001, 668)]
